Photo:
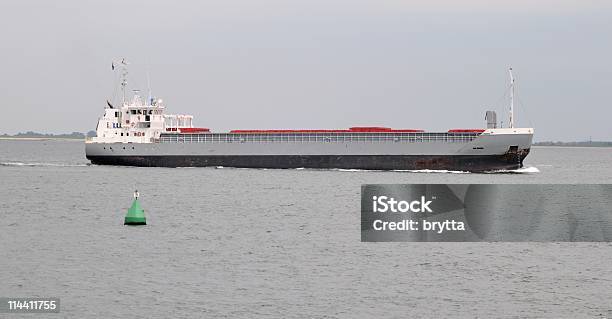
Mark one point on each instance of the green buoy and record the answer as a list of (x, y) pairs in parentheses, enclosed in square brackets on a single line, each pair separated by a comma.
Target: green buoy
[(135, 215)]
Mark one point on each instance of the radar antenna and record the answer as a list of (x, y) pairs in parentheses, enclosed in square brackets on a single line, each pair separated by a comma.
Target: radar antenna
[(511, 98)]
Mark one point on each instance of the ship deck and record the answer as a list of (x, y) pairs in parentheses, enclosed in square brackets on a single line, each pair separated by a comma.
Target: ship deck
[(329, 137)]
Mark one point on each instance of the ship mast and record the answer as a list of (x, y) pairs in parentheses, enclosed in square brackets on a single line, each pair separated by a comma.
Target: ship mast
[(124, 74), (511, 98)]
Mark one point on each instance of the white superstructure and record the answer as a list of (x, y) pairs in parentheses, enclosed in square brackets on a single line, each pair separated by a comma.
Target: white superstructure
[(137, 121)]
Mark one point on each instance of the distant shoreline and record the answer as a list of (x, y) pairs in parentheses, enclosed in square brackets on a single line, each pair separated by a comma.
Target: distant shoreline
[(574, 144), (36, 136), (568, 146), (14, 138)]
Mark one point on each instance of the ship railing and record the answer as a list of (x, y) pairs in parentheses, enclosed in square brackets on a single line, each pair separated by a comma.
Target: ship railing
[(307, 138)]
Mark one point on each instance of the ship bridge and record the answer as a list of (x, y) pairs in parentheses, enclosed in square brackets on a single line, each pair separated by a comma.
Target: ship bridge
[(139, 121)]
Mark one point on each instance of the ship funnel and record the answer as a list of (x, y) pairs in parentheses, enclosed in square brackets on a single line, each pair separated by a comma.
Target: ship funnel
[(491, 118)]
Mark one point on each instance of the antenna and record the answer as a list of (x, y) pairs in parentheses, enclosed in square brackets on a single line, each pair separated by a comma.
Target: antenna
[(150, 97), (511, 98), (124, 74)]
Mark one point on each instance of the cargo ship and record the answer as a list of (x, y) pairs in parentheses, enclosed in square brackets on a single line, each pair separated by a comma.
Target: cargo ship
[(141, 133)]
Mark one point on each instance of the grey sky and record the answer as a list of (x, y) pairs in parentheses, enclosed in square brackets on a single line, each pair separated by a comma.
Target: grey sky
[(313, 64)]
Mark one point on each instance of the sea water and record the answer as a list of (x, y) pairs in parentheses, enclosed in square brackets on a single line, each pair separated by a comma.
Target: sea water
[(272, 243)]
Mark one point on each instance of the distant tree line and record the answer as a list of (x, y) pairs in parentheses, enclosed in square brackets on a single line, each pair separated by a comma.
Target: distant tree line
[(584, 144), (30, 134)]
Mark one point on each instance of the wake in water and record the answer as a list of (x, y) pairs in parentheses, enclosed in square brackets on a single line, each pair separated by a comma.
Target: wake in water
[(35, 164), (439, 171), (403, 171), (522, 170), (530, 169)]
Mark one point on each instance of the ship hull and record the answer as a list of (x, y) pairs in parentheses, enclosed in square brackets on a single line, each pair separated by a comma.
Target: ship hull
[(500, 149), (472, 163)]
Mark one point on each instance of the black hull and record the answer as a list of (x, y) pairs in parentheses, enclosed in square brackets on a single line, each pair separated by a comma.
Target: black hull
[(472, 163)]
